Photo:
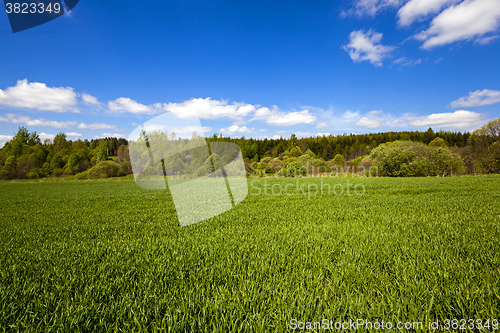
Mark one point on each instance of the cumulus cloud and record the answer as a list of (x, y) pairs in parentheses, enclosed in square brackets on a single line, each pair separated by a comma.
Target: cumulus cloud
[(416, 10), (478, 98), (96, 126), (232, 130), (460, 119), (324, 134), (20, 119), (178, 130), (304, 134), (350, 116), (38, 96), (191, 129), (73, 135), (366, 46), (470, 19), (274, 137), (40, 122), (90, 99), (291, 118), (322, 125), (153, 127), (109, 135), (4, 139), (43, 136), (374, 122), (207, 108), (124, 104)]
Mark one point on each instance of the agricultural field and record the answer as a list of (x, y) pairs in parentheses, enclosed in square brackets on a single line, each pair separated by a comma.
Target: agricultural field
[(108, 256)]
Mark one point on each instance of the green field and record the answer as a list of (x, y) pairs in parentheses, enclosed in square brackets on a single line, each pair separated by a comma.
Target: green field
[(106, 255)]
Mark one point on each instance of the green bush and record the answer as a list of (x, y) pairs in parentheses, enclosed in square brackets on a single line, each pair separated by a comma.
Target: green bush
[(127, 168), (82, 175), (4, 174), (266, 159), (292, 169), (338, 160), (410, 159), (57, 172), (105, 169), (295, 152), (304, 158), (35, 173)]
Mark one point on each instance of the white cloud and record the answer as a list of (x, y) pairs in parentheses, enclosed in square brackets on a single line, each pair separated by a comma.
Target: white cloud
[(191, 129), (38, 96), (96, 126), (263, 130), (350, 116), (366, 46), (182, 130), (304, 134), (19, 119), (322, 125), (371, 7), (128, 105), (486, 40), (232, 130), (274, 137), (44, 136), (460, 119), (403, 61), (375, 112), (324, 134), (4, 139), (153, 127), (275, 117), (478, 98), (292, 118), (265, 112), (468, 20), (73, 135), (370, 122), (395, 122), (109, 135), (90, 99), (207, 108), (416, 10), (438, 60)]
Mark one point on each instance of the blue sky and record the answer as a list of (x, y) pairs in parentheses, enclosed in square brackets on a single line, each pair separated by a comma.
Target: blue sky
[(254, 68)]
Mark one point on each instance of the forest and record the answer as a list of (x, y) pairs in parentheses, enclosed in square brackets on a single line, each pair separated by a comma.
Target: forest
[(408, 153)]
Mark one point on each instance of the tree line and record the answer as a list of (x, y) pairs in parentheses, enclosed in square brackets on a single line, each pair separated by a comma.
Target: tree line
[(407, 153)]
